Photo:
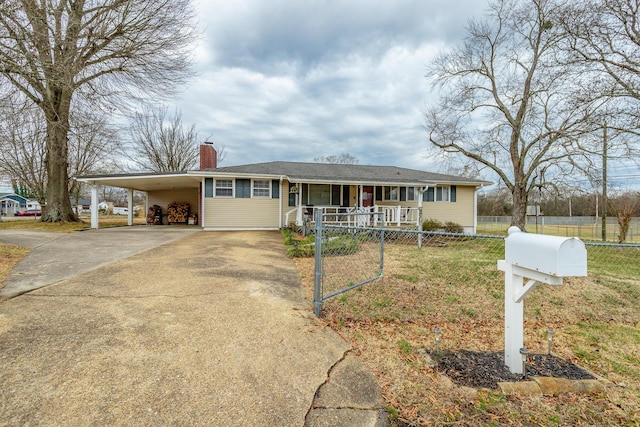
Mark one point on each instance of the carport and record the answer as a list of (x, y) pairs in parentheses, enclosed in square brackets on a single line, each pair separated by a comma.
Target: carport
[(159, 189)]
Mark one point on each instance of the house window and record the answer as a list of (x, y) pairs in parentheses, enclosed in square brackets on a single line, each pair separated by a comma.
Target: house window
[(442, 194), (224, 188), (319, 194), (412, 194), (390, 193), (261, 188)]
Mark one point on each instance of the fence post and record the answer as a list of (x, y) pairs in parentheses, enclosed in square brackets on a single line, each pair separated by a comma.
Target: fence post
[(317, 281), (419, 228), (382, 247)]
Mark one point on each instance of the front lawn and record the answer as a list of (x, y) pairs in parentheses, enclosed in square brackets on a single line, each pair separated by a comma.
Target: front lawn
[(457, 288)]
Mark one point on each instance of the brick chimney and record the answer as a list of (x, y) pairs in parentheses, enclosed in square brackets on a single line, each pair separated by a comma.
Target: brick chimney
[(208, 156)]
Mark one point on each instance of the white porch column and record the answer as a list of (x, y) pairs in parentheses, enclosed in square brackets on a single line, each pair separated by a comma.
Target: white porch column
[(299, 212), (130, 206), (360, 196), (94, 206)]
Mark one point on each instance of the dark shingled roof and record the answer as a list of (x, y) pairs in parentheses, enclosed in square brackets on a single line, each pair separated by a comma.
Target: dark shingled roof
[(350, 173)]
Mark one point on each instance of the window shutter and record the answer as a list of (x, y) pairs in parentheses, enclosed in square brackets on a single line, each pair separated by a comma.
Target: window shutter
[(208, 187), (378, 193), (453, 193), (275, 189), (243, 188), (403, 194), (428, 196)]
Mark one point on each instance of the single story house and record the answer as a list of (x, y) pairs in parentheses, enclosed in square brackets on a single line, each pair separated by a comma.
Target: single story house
[(33, 204), (81, 205), (11, 202), (274, 195)]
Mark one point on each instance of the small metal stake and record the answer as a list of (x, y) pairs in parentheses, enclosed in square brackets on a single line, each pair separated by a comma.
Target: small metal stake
[(524, 352), (437, 332), (549, 341)]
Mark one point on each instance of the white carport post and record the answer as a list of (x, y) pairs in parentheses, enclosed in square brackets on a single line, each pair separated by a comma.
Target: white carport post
[(129, 206), (94, 206)]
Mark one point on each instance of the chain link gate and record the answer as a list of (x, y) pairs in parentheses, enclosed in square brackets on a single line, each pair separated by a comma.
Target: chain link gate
[(346, 256)]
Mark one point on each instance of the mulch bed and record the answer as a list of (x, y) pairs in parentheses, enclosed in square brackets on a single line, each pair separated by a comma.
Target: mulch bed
[(486, 369)]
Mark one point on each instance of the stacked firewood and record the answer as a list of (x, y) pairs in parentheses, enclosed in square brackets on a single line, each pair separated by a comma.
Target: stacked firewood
[(177, 212), (154, 216)]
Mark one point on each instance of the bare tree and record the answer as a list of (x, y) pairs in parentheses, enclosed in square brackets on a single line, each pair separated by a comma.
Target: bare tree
[(342, 159), (56, 50), (92, 144), (605, 36), (161, 143), (506, 100), (625, 207), (23, 145)]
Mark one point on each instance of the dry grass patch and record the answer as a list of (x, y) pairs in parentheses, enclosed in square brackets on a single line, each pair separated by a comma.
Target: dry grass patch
[(67, 227), (458, 289), (10, 255)]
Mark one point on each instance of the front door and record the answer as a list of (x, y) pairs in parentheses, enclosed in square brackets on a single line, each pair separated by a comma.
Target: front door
[(367, 196)]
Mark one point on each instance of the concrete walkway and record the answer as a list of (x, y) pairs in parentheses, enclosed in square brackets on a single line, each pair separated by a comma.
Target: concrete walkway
[(63, 255), (206, 329)]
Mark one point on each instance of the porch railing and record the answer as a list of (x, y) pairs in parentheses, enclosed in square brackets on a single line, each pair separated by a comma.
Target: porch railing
[(393, 215)]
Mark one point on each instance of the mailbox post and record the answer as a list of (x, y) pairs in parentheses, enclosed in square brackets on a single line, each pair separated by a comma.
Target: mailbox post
[(540, 259)]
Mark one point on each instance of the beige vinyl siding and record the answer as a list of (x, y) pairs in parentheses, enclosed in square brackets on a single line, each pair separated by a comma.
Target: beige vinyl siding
[(460, 211), (234, 213), (163, 198)]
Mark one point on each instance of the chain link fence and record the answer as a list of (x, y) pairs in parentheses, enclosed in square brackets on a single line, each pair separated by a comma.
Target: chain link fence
[(349, 257)]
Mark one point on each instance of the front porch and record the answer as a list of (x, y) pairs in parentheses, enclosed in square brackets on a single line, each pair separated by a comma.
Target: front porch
[(387, 215)]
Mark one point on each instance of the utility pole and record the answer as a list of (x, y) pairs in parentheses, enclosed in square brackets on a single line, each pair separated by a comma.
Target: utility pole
[(604, 184)]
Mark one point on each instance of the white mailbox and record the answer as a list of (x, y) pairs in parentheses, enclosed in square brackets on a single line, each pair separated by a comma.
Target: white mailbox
[(540, 259), (552, 255)]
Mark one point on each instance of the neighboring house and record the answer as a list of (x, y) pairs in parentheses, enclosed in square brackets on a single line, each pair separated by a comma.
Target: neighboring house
[(274, 195), (81, 206), (11, 202), (34, 205)]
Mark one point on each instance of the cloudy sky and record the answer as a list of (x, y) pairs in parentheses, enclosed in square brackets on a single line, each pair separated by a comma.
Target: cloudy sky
[(294, 80)]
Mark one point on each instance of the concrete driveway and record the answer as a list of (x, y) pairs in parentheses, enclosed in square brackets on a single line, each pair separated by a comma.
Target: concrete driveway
[(206, 329)]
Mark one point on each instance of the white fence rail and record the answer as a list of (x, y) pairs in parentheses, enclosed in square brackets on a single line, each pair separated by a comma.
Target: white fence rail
[(392, 215)]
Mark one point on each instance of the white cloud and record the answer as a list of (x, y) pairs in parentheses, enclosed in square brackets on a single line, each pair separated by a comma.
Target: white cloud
[(290, 80)]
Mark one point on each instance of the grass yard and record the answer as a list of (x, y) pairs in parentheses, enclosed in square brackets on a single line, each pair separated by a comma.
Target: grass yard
[(457, 288), (66, 227), (584, 232), (10, 255)]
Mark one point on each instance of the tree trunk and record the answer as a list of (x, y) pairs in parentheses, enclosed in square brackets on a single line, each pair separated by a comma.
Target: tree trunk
[(519, 213), (58, 207)]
